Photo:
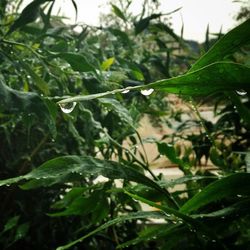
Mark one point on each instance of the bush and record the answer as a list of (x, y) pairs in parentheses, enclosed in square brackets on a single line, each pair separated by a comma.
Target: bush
[(70, 101)]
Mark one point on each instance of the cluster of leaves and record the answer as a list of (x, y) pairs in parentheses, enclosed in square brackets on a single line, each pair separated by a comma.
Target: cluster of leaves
[(57, 156)]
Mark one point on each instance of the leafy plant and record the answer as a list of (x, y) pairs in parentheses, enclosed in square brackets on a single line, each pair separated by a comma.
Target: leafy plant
[(69, 113)]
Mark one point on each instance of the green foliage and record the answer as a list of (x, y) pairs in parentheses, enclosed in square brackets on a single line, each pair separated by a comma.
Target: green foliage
[(77, 175)]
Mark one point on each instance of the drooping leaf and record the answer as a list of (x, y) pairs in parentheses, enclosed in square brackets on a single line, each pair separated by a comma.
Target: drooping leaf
[(131, 216), (232, 185), (144, 23), (28, 15), (16, 102), (66, 168), (220, 76), (227, 45)]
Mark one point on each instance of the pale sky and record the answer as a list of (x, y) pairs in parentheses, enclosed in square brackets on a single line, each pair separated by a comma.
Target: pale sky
[(196, 14)]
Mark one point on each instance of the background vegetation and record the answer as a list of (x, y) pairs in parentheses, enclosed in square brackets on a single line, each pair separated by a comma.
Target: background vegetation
[(105, 80)]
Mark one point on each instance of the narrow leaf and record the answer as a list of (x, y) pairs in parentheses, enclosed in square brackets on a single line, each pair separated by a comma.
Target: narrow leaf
[(66, 168), (220, 76), (131, 216), (39, 82), (232, 185), (118, 12), (227, 45)]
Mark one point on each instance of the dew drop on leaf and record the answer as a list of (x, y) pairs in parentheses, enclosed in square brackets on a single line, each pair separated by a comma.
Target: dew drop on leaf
[(147, 91), (67, 107), (125, 91), (241, 92)]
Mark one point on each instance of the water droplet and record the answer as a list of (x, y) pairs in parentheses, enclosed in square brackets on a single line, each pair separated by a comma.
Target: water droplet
[(125, 91), (147, 91), (241, 92), (239, 195), (67, 107)]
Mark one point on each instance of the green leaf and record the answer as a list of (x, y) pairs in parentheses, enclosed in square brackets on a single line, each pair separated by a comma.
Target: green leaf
[(107, 63), (165, 28), (69, 197), (124, 38), (131, 216), (165, 209), (29, 14), (118, 108), (236, 208), (77, 62), (75, 7), (184, 179), (144, 23), (118, 12), (150, 233), (22, 231), (80, 206), (220, 76), (232, 185), (11, 223), (227, 45), (188, 219), (242, 109), (169, 151), (66, 168), (39, 82), (16, 102)]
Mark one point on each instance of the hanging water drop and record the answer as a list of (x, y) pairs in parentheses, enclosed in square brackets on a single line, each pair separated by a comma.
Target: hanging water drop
[(67, 107), (241, 92), (125, 91), (147, 91)]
